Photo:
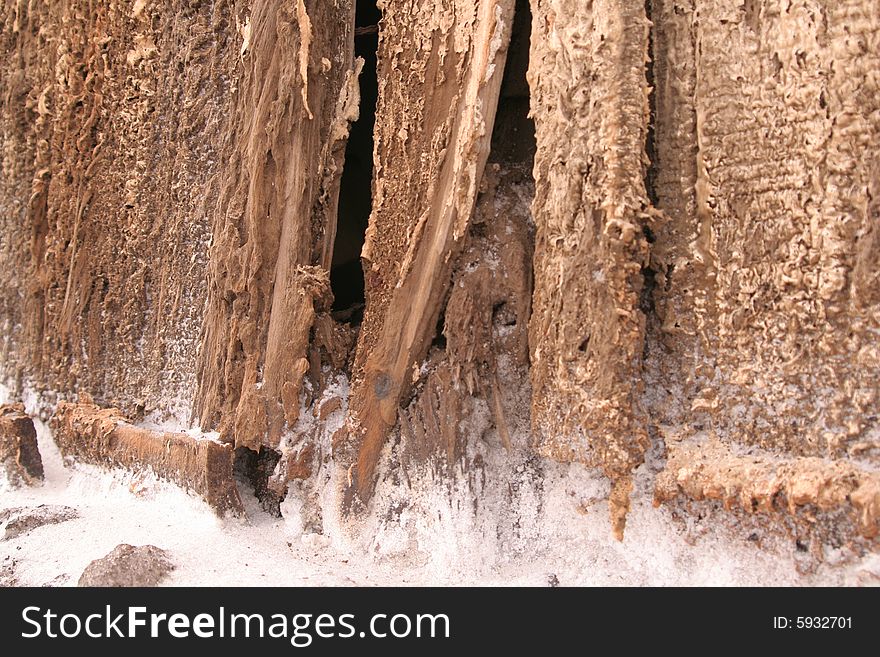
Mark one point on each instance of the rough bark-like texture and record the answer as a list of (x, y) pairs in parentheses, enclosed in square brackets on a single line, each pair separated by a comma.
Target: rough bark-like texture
[(112, 120), (767, 484), (19, 454), (766, 296), (590, 104), (103, 437), (700, 259), (680, 277), (277, 200), (440, 72), (785, 224)]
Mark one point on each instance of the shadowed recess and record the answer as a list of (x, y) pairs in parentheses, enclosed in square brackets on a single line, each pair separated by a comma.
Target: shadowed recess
[(355, 194)]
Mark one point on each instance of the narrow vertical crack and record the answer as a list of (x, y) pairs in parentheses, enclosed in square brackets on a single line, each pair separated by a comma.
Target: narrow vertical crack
[(355, 192), (650, 143), (649, 274)]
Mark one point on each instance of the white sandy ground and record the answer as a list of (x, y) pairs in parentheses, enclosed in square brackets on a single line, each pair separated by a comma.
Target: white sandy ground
[(534, 523)]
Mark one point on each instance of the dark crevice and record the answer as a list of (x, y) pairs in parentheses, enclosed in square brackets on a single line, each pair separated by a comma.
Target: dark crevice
[(439, 340), (513, 143), (646, 298), (503, 314), (513, 135), (649, 274), (650, 143), (355, 192), (254, 469)]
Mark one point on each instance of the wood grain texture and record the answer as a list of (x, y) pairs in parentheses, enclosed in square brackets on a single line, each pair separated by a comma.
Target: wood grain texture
[(440, 74), (103, 437)]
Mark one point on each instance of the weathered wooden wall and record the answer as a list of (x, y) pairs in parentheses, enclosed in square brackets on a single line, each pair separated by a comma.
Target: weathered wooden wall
[(592, 211), (697, 268), (113, 125), (283, 157), (769, 256)]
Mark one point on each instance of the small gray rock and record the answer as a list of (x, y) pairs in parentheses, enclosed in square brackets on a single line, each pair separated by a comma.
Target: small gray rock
[(21, 520), (127, 565), (58, 580)]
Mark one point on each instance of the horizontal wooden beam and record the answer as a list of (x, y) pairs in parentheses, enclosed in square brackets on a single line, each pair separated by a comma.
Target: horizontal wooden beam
[(761, 482), (103, 437)]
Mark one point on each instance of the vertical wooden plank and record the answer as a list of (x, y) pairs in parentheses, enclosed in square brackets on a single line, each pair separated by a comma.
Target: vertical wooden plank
[(590, 104), (440, 71), (276, 204)]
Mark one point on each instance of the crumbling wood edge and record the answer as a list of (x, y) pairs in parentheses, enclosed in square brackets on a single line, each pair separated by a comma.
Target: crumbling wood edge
[(103, 437), (19, 454), (764, 483), (410, 318)]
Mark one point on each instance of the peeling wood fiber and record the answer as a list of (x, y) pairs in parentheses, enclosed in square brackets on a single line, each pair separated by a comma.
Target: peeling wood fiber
[(440, 72), (762, 483), (590, 105), (701, 258), (277, 196)]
